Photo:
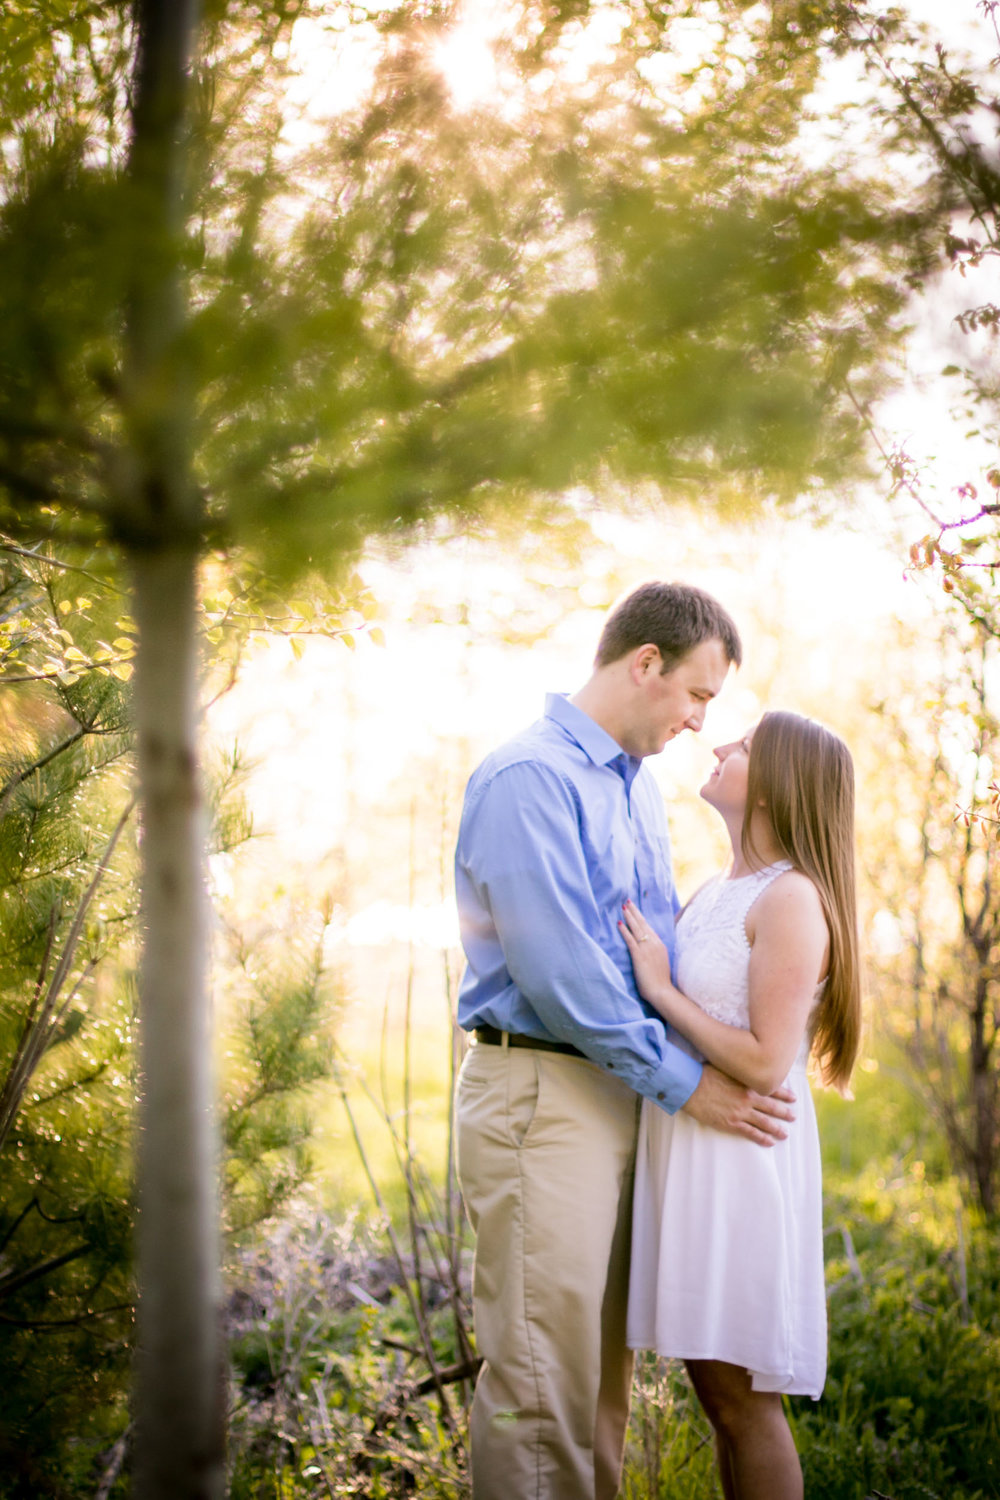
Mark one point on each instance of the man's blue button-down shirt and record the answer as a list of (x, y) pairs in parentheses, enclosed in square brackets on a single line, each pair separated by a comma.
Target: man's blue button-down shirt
[(559, 827)]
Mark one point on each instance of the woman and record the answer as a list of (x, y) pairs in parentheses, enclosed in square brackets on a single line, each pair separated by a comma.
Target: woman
[(727, 1258)]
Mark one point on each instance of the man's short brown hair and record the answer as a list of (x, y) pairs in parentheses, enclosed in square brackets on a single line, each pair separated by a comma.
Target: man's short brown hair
[(674, 617)]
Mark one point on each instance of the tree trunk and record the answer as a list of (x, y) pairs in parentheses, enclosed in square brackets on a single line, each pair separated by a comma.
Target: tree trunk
[(178, 1395), (983, 1131), (179, 1425)]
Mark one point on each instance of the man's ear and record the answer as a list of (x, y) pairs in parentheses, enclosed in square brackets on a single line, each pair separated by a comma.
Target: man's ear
[(646, 660)]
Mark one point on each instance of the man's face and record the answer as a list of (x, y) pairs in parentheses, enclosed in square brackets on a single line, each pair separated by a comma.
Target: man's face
[(677, 700)]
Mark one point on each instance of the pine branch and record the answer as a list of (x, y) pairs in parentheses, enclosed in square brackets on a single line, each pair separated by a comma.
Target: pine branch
[(7, 792), (77, 1322), (33, 489), (14, 1281), (30, 487), (31, 555), (32, 429)]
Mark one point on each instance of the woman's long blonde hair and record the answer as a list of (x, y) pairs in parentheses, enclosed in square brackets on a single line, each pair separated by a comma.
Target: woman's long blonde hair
[(803, 775)]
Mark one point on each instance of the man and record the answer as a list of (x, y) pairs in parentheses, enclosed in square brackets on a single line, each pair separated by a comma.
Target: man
[(560, 826)]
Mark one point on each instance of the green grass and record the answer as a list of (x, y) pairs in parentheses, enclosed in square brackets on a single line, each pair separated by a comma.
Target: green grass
[(375, 1086), (885, 1117), (911, 1410)]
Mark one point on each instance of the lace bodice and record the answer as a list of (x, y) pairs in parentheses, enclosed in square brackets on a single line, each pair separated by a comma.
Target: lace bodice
[(713, 952)]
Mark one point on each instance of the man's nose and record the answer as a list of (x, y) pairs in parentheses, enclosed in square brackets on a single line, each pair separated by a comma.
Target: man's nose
[(696, 718)]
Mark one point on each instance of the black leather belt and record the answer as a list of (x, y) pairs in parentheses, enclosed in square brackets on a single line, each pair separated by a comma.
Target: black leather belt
[(494, 1038)]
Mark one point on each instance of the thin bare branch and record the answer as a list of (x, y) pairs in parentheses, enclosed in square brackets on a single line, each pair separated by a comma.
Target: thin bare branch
[(40, 1032), (406, 1280)]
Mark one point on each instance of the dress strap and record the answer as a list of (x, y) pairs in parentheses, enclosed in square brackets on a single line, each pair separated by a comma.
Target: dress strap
[(748, 887)]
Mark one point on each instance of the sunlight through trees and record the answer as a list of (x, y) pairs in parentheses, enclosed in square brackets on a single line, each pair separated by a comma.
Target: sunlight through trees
[(498, 275)]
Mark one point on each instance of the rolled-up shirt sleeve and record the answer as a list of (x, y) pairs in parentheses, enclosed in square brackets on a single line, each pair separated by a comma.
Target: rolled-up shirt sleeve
[(527, 903)]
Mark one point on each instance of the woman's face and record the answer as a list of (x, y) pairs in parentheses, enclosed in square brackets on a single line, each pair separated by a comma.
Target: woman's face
[(726, 788)]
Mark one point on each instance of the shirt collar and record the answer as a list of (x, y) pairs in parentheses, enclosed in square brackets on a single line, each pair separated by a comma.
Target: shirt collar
[(594, 741)]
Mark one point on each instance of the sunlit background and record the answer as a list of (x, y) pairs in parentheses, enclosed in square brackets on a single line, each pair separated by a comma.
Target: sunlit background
[(357, 755), (475, 298)]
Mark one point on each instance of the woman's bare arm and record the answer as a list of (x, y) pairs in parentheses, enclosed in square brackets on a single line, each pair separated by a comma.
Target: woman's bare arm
[(789, 952)]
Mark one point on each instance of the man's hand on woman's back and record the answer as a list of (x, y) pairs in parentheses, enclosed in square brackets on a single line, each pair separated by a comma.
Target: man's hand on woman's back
[(722, 1104)]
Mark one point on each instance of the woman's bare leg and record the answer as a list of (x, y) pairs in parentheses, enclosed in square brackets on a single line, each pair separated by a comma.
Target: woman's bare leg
[(725, 1463), (753, 1434)]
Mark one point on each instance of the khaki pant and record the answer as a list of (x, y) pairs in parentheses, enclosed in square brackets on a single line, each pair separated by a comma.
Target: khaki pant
[(546, 1147)]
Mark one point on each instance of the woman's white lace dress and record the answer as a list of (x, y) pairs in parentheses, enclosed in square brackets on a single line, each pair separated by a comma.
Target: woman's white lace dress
[(727, 1251)]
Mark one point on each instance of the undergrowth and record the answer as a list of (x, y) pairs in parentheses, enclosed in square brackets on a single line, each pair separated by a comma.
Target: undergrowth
[(334, 1394)]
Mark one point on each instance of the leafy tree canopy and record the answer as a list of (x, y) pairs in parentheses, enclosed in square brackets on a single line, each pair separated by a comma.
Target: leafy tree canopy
[(615, 267)]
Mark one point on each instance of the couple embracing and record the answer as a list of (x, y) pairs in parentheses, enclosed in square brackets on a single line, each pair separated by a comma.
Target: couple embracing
[(637, 1142)]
